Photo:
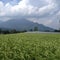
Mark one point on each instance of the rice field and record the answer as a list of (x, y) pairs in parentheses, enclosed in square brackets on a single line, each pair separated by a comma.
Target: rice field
[(30, 46)]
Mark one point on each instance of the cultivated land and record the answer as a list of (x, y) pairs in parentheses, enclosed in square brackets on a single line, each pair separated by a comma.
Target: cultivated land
[(30, 46)]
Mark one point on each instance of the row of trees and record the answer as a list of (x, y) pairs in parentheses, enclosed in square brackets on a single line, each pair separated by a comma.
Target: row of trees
[(15, 31), (56, 30), (11, 31)]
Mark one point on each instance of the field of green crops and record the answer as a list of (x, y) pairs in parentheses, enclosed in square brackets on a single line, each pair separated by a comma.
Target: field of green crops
[(30, 46)]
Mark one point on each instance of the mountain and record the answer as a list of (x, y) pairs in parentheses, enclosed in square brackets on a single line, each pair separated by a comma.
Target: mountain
[(23, 24), (1, 21)]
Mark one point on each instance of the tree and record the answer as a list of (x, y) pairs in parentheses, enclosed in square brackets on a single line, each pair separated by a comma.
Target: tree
[(0, 30), (13, 31), (35, 28), (24, 31), (5, 32), (31, 30), (56, 30)]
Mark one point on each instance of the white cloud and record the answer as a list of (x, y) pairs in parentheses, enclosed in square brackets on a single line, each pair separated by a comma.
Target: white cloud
[(1, 9), (49, 1), (46, 9), (26, 10), (1, 4)]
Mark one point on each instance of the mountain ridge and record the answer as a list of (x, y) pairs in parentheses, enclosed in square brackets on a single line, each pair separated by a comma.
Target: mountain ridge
[(23, 24)]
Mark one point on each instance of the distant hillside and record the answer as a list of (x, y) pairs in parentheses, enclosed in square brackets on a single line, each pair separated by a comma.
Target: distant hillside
[(23, 24)]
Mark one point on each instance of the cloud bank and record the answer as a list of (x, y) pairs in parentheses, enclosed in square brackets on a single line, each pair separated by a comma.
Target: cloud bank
[(45, 12)]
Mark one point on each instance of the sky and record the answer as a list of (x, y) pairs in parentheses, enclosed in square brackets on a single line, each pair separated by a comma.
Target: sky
[(45, 12)]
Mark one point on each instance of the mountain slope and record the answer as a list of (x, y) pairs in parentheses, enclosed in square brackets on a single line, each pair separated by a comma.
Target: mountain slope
[(23, 24)]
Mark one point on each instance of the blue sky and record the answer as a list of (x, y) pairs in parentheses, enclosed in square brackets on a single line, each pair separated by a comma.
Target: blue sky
[(13, 2), (45, 12)]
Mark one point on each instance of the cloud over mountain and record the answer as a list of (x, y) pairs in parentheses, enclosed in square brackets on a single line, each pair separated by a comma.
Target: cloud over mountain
[(41, 11)]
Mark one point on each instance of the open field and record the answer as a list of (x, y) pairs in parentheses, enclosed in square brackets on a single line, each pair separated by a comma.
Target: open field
[(30, 46)]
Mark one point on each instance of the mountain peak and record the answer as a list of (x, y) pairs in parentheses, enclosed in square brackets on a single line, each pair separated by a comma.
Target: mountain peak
[(23, 24)]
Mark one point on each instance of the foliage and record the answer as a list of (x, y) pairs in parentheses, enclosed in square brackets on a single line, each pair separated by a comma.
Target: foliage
[(25, 46), (35, 28), (11, 31), (56, 30)]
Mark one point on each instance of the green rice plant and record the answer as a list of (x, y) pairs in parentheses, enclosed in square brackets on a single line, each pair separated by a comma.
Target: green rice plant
[(30, 46)]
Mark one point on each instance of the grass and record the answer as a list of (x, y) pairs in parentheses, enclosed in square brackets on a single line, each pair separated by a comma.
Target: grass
[(25, 46)]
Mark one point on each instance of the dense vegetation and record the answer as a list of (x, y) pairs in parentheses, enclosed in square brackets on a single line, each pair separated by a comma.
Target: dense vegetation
[(25, 46), (12, 31)]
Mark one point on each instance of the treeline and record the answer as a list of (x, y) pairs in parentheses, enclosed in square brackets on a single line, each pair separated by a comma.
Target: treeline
[(56, 30), (11, 31), (15, 31)]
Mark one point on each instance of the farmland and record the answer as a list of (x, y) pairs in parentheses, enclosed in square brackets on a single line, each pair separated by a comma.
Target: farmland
[(30, 46)]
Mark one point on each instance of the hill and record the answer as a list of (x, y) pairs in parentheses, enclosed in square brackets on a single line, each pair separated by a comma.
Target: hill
[(23, 24)]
